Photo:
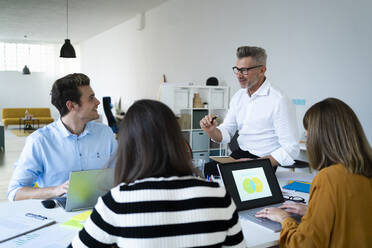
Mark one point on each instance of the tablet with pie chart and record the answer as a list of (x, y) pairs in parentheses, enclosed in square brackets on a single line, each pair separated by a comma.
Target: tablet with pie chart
[(251, 184)]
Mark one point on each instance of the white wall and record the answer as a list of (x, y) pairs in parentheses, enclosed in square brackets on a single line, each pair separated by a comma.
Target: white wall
[(22, 91), (316, 49)]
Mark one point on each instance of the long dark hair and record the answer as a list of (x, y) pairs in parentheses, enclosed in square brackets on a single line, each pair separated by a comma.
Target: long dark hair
[(335, 136), (150, 144)]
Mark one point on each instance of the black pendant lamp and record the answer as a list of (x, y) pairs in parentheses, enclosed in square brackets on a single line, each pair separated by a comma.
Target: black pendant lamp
[(67, 50), (26, 71)]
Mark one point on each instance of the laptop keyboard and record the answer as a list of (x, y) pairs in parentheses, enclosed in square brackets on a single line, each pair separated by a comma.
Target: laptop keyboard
[(253, 214), (275, 226), (61, 201)]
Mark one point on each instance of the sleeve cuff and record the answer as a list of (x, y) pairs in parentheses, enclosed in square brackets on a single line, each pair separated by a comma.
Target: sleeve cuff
[(282, 157), (11, 194), (225, 136), (289, 222)]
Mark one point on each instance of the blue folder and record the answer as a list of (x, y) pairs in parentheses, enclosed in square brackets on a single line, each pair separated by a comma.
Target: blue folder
[(298, 186)]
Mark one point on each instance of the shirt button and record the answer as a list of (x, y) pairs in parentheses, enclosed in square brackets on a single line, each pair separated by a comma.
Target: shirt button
[(80, 154)]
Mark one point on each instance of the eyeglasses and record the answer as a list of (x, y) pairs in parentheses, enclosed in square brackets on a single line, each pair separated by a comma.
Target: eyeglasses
[(294, 198), (244, 70)]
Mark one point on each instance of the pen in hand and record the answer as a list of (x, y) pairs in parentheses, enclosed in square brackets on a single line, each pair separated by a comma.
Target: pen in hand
[(214, 117)]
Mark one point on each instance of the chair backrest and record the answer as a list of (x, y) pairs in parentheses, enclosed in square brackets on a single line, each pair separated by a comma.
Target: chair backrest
[(39, 112), (12, 112), (106, 100)]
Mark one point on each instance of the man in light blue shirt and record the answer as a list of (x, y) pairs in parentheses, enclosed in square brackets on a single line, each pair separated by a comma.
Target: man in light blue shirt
[(72, 143)]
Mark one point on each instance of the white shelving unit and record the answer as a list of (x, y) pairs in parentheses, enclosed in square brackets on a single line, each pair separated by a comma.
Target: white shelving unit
[(180, 99)]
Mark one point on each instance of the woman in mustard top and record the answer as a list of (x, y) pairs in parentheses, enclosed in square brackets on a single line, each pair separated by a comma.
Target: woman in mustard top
[(339, 213)]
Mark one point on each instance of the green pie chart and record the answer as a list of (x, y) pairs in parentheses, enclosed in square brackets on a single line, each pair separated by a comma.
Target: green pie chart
[(252, 185)]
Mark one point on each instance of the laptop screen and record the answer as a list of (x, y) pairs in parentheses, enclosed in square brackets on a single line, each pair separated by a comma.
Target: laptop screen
[(86, 186), (251, 183)]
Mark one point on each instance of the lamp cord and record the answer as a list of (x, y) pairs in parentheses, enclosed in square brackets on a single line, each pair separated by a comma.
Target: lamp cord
[(67, 16)]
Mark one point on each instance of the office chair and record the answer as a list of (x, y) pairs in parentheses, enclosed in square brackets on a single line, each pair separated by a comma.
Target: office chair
[(106, 100)]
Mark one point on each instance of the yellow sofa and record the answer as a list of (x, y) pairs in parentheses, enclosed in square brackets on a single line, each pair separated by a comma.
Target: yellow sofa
[(11, 116)]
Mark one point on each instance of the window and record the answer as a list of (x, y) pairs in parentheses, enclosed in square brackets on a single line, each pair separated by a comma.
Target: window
[(14, 56)]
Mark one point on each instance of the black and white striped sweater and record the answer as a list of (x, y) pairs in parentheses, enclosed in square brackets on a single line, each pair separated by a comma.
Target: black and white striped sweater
[(163, 212)]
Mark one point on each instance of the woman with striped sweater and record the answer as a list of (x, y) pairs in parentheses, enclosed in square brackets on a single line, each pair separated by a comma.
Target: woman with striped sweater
[(157, 201)]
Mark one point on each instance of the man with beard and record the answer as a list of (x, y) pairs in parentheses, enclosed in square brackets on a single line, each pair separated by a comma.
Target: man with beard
[(72, 143), (262, 115)]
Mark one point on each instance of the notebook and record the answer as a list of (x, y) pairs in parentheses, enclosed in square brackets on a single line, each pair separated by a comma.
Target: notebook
[(253, 186), (77, 221), (85, 187)]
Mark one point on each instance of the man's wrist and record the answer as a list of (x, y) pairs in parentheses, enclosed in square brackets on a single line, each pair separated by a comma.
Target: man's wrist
[(215, 135), (54, 191), (272, 160), (46, 192)]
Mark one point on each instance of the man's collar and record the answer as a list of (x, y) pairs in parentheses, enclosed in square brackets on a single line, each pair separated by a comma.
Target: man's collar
[(263, 90), (63, 129), (67, 133), (86, 130)]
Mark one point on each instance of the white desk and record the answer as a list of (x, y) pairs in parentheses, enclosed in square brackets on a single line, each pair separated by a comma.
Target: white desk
[(57, 236)]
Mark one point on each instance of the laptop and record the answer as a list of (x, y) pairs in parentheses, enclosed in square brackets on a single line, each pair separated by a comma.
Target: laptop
[(253, 186), (85, 187)]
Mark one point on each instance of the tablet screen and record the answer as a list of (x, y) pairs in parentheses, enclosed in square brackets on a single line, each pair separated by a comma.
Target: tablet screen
[(251, 184)]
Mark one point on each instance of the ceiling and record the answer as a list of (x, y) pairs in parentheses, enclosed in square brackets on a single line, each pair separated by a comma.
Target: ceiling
[(45, 20)]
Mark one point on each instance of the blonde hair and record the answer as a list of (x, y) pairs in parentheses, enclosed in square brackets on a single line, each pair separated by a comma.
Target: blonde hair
[(335, 136)]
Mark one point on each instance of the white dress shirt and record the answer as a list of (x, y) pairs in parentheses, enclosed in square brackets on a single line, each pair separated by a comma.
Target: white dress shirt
[(266, 122)]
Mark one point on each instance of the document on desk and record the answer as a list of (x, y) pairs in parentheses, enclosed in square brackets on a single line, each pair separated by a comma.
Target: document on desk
[(51, 237), (17, 225), (223, 159)]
